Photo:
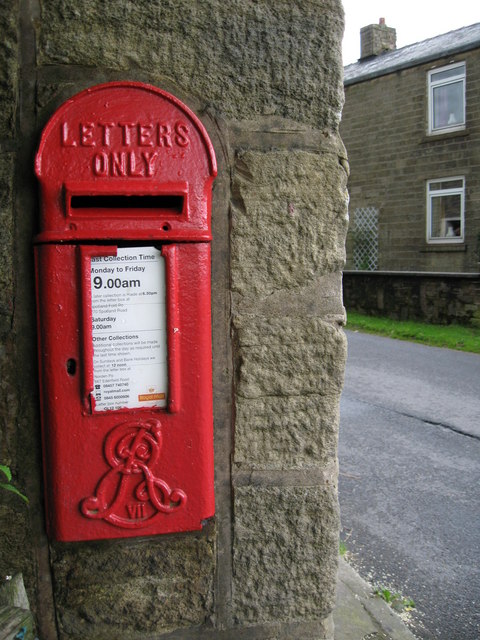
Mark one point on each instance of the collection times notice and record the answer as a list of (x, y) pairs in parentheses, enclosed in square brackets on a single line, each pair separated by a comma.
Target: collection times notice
[(129, 329)]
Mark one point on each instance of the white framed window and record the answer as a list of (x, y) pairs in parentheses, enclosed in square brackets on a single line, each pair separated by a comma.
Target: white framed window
[(445, 210), (446, 99)]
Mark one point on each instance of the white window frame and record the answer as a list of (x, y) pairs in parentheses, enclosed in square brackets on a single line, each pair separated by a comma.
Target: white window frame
[(435, 84), (435, 193)]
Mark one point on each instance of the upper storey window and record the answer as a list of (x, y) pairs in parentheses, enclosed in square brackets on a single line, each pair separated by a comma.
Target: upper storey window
[(446, 99)]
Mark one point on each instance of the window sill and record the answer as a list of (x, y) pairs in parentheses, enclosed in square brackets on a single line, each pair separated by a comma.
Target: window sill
[(444, 248), (434, 137)]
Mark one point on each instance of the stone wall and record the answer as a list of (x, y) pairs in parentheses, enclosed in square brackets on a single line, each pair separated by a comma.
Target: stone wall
[(265, 78), (427, 297)]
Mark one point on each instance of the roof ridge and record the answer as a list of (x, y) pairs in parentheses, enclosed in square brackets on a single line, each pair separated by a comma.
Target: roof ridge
[(410, 55)]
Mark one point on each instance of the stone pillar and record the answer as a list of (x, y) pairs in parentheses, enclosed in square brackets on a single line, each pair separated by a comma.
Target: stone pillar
[(265, 78)]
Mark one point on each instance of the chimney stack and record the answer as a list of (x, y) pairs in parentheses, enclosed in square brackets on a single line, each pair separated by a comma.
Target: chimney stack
[(376, 39)]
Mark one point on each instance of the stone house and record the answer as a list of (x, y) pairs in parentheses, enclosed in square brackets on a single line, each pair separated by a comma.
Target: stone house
[(411, 126)]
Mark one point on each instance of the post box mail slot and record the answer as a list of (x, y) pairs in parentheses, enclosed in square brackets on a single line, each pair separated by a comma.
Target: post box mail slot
[(123, 297)]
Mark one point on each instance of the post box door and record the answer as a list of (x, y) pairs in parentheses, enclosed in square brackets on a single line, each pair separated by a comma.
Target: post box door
[(123, 300)]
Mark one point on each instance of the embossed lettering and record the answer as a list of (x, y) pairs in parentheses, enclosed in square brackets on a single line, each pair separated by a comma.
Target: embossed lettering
[(125, 134), (100, 164), (124, 163), (126, 128), (106, 128), (149, 159), (145, 135), (181, 131), (119, 163), (135, 168), (67, 140), (86, 134), (164, 136), (134, 161), (136, 510)]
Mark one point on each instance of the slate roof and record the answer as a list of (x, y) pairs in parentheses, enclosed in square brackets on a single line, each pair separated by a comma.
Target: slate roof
[(413, 54)]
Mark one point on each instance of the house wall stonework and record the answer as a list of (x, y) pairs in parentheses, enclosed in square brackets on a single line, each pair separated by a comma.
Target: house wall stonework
[(384, 127), (265, 78)]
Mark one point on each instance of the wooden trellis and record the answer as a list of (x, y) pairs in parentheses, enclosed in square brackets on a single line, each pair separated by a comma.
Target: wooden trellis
[(365, 231)]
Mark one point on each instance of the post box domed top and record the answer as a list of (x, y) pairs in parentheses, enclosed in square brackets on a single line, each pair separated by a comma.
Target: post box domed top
[(124, 160)]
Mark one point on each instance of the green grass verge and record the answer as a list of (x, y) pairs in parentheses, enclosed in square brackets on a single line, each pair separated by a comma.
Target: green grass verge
[(449, 336)]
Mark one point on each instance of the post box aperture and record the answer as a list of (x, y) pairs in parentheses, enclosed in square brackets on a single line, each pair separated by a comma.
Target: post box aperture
[(123, 297)]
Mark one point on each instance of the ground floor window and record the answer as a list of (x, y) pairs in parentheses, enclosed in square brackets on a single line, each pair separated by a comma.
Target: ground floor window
[(445, 210)]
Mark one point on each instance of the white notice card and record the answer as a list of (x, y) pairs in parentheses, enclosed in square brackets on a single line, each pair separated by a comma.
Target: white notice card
[(129, 329)]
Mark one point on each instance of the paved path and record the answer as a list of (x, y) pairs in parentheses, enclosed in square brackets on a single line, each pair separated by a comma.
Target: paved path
[(410, 478), (361, 615)]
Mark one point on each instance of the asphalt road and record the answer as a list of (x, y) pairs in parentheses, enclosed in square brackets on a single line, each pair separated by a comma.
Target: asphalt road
[(410, 478)]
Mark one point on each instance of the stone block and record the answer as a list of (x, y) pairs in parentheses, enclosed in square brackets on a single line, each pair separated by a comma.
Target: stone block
[(8, 68), (8, 379), (288, 357), (6, 242), (289, 220), (123, 589), (286, 432), (246, 59), (285, 553), (14, 533), (289, 378)]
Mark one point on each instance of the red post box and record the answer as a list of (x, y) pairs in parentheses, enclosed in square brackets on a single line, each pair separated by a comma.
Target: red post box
[(123, 297)]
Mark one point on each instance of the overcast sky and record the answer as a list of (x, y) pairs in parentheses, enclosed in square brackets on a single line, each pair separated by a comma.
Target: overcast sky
[(414, 20)]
